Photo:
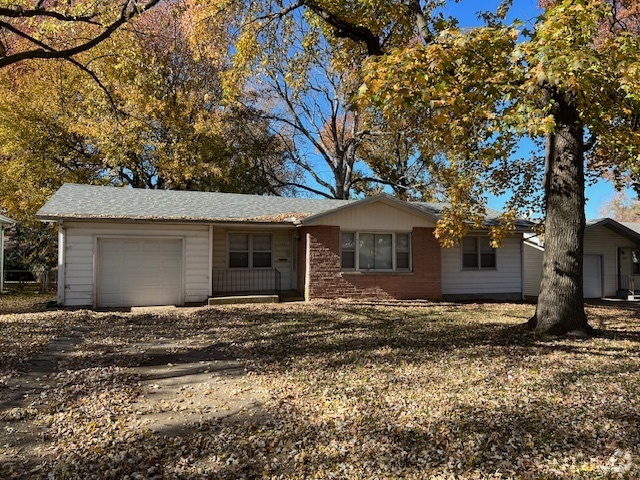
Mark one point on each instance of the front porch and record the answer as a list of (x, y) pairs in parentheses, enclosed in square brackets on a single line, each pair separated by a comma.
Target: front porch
[(628, 287), (234, 280), (231, 286)]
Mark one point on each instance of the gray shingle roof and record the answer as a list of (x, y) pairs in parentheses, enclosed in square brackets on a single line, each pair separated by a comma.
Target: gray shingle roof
[(74, 201), (6, 220), (492, 216), (633, 226), (98, 202)]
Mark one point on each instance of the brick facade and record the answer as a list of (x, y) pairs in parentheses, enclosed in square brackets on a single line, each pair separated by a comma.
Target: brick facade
[(325, 280)]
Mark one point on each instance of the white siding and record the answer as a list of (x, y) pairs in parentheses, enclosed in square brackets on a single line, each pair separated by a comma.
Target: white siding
[(605, 242), (376, 217), (80, 242), (533, 269), (506, 278), (282, 250), (597, 241), (592, 283)]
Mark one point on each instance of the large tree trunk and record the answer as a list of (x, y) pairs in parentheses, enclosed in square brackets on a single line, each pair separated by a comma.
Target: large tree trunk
[(560, 308)]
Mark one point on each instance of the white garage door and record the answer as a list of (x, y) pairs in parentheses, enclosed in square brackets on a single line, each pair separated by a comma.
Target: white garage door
[(592, 287), (139, 272)]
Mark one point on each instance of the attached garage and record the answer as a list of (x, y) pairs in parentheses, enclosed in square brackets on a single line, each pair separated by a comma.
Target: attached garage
[(139, 271), (592, 283), (606, 258), (107, 264), (122, 247)]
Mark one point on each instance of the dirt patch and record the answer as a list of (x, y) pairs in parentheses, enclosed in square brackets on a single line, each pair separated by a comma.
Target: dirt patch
[(19, 400), (180, 390), (179, 383)]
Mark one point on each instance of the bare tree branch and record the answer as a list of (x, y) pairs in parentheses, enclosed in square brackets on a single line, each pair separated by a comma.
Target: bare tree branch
[(39, 12), (129, 10), (590, 143), (421, 21), (345, 29)]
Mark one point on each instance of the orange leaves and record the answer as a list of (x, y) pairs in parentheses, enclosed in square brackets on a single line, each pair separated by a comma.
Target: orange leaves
[(465, 74), (353, 390)]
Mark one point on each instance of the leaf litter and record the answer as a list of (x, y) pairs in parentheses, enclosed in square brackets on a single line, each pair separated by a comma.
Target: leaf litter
[(323, 390)]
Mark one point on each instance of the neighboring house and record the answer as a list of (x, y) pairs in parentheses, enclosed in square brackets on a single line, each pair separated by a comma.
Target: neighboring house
[(4, 221), (611, 260), (134, 247)]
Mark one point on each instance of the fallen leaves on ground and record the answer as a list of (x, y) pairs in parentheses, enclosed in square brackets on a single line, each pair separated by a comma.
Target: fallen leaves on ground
[(355, 391)]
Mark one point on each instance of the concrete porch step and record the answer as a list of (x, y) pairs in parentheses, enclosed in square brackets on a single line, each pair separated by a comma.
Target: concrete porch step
[(238, 299)]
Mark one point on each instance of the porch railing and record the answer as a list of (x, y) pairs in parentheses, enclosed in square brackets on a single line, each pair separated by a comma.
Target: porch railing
[(257, 280), (627, 282)]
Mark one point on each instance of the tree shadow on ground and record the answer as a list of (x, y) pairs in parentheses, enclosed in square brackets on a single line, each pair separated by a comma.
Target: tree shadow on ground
[(531, 441), (516, 435), (359, 332)]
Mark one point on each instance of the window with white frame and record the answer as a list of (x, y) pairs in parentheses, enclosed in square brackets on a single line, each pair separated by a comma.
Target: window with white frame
[(478, 254), (364, 251), (250, 250)]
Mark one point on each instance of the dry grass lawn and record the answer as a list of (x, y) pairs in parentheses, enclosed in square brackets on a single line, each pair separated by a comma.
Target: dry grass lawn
[(351, 391)]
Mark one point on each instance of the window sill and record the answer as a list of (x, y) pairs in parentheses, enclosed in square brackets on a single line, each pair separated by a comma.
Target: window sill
[(244, 269), (374, 272), (487, 269)]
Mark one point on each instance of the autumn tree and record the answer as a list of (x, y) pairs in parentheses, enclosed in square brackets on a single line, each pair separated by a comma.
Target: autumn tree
[(171, 128), (306, 96), (307, 86), (622, 208), (311, 115), (155, 119), (50, 29), (474, 93), (395, 159), (162, 123)]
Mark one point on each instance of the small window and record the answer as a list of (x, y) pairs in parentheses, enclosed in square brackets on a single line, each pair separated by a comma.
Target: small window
[(487, 253), (402, 251), (261, 251), (635, 262), (375, 251), (469, 252), (238, 250), (249, 250), (478, 254), (348, 249)]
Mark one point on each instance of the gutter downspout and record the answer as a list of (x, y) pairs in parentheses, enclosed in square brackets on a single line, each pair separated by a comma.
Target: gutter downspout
[(210, 260), (522, 267), (61, 262)]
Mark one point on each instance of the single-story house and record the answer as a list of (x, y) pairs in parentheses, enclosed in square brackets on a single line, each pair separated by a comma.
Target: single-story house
[(4, 221), (611, 260), (132, 247)]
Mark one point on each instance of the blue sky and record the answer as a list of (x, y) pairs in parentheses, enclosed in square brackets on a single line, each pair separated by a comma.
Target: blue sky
[(600, 192)]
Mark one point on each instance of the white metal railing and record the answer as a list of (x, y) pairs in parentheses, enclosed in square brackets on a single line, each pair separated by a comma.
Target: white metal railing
[(627, 282)]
